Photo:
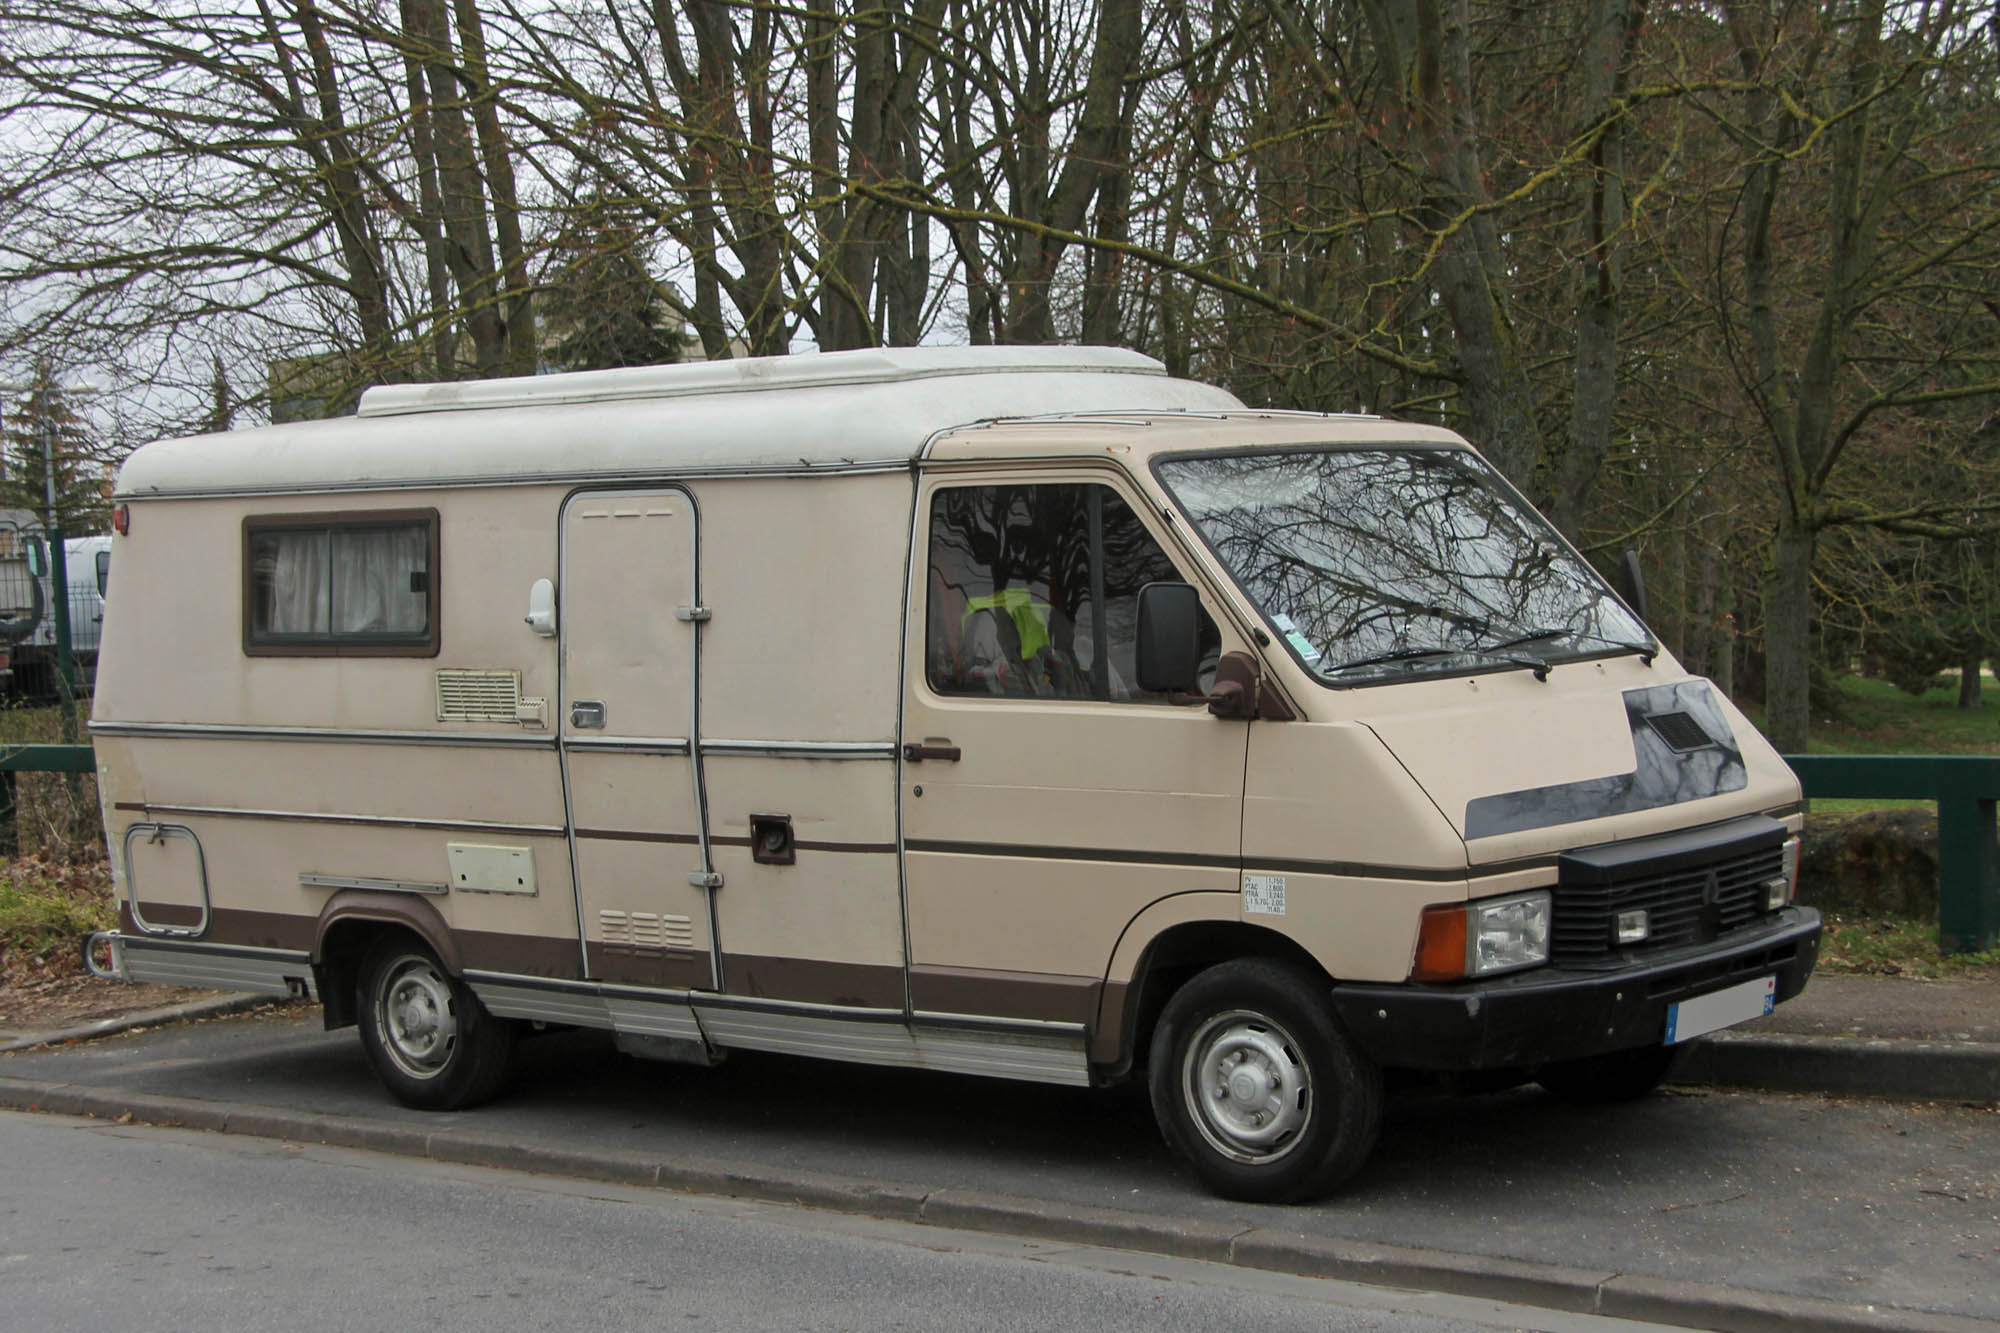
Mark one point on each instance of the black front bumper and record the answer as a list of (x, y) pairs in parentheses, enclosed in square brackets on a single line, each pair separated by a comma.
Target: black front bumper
[(1549, 1014)]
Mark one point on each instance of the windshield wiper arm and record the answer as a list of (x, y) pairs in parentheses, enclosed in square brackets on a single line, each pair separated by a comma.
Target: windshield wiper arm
[(1534, 664), (1646, 651), (1534, 635)]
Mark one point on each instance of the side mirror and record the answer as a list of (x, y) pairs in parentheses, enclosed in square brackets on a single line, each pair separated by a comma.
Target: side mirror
[(1169, 644), (541, 615), (38, 557), (1632, 584)]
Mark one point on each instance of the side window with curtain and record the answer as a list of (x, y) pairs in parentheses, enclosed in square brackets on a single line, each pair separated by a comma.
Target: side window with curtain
[(341, 584), (1034, 592)]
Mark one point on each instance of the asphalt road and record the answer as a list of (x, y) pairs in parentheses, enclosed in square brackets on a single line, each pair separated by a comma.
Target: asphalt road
[(107, 1226), (1858, 1202)]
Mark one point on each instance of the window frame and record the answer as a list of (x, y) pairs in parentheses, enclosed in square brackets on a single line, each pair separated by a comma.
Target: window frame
[(332, 644), (1125, 494)]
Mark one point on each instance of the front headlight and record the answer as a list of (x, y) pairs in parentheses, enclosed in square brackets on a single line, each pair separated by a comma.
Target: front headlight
[(1484, 937), (1510, 933), (1779, 892)]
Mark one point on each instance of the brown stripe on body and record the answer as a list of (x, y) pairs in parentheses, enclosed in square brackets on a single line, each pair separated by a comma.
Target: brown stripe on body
[(1042, 996)]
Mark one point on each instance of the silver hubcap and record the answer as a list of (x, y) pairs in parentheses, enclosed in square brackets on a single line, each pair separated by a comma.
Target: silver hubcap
[(1247, 1087), (418, 1022)]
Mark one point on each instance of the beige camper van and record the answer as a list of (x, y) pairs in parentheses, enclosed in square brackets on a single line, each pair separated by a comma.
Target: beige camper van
[(1010, 711)]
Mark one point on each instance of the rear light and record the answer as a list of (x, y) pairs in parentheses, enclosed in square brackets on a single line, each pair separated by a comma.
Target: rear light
[(1484, 937), (121, 520)]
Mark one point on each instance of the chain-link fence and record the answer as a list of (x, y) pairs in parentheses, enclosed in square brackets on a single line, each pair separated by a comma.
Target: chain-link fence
[(48, 798), (29, 624)]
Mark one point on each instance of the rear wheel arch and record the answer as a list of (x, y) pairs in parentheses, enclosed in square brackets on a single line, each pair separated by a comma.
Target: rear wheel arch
[(350, 924)]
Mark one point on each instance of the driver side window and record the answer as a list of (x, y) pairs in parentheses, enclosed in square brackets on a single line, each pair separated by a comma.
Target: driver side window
[(1034, 592)]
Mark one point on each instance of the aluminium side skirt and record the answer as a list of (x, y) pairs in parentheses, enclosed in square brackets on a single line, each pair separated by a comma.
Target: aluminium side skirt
[(659, 1021), (1038, 1052)]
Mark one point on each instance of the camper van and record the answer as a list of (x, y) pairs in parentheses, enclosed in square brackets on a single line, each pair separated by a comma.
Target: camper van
[(1021, 712)]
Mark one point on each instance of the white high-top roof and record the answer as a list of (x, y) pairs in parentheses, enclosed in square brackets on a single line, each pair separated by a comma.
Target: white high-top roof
[(834, 410)]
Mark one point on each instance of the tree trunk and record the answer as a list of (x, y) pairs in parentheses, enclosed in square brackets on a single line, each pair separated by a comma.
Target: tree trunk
[(346, 201), (468, 249), (429, 224), (1614, 39), (497, 157), (1968, 681), (1788, 635), (1090, 159)]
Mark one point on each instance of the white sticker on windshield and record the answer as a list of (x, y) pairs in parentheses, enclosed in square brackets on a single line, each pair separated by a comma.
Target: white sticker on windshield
[(1264, 895), (1290, 629)]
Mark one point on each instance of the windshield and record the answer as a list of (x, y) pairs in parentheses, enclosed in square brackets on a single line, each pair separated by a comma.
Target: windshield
[(1378, 564)]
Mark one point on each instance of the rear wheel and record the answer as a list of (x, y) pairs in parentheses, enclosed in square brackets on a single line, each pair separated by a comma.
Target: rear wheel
[(432, 1043), (1604, 1080), (1259, 1088)]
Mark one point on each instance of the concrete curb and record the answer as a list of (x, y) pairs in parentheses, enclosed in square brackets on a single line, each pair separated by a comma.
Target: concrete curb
[(1856, 1066), (109, 1027), (1549, 1286)]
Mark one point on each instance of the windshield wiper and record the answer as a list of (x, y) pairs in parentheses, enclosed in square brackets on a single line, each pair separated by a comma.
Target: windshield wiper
[(1646, 651), (1534, 664), (1535, 635)]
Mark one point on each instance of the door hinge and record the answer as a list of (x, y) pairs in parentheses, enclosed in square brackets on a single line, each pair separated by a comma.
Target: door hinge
[(710, 879), (693, 614)]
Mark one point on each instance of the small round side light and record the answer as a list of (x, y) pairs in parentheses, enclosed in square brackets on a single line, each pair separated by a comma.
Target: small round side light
[(121, 520)]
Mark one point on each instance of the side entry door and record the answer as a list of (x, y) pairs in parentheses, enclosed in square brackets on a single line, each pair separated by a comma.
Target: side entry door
[(630, 580), (1047, 798)]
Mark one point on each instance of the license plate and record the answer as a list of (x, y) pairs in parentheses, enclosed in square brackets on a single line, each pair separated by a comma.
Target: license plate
[(1720, 1009)]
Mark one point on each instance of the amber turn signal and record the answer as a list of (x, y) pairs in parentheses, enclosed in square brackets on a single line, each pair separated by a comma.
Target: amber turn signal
[(1441, 944)]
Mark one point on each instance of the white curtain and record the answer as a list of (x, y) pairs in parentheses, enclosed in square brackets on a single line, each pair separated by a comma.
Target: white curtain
[(372, 591), (345, 582), (298, 581)]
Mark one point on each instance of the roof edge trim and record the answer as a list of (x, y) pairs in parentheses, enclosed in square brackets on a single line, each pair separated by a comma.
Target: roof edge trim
[(750, 374)]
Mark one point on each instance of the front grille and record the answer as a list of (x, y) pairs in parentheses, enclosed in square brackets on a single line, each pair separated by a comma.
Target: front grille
[(1680, 905)]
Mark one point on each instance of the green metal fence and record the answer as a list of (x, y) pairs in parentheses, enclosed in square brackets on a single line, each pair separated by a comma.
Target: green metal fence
[(1964, 788), (16, 759)]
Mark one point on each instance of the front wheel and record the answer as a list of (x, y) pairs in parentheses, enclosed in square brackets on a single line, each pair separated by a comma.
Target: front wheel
[(1257, 1086), (432, 1043)]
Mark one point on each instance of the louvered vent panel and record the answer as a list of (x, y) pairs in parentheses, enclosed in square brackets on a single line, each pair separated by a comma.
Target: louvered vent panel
[(477, 696), (649, 931), (1680, 731)]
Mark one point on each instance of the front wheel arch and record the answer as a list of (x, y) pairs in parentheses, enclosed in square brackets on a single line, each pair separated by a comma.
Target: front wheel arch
[(1128, 1012)]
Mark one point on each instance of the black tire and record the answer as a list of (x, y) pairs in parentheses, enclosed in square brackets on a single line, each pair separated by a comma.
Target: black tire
[(432, 1043), (1605, 1080), (1257, 1086)]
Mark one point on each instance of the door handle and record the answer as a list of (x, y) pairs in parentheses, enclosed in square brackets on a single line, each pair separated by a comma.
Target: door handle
[(586, 713), (931, 747)]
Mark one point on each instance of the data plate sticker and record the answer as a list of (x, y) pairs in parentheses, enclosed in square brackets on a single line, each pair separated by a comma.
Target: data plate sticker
[(1264, 895), (1725, 1008)]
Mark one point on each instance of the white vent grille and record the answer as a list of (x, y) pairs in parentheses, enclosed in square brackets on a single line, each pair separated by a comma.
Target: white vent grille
[(647, 930), (478, 696)]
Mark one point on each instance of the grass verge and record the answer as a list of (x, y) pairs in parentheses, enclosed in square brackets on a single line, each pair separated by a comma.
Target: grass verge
[(1898, 947), (46, 906)]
